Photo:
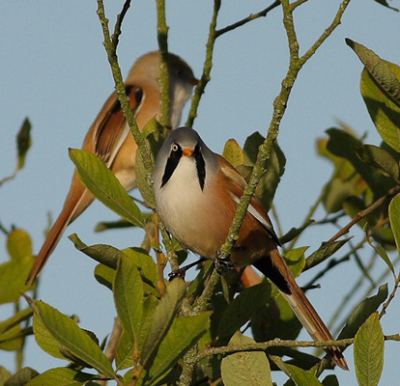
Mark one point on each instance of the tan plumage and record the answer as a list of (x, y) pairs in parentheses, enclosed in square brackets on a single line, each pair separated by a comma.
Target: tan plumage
[(197, 193), (110, 139)]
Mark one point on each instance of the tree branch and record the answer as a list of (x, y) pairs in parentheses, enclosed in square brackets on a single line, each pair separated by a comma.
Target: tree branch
[(247, 19), (205, 77), (360, 215), (117, 28), (162, 37), (281, 343), (122, 97), (280, 104), (391, 296)]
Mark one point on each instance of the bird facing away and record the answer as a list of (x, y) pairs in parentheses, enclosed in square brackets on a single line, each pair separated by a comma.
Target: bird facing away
[(110, 139), (197, 193)]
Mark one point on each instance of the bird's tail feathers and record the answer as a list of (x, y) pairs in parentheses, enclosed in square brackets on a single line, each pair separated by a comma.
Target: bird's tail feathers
[(74, 205), (301, 306)]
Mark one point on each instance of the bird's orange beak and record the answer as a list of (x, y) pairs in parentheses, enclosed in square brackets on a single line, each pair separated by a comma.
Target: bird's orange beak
[(188, 152)]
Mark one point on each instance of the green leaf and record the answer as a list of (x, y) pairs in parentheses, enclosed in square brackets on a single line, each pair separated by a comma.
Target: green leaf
[(368, 352), (384, 112), (103, 184), (19, 244), (128, 295), (382, 72), (275, 167), (105, 275), (394, 216), (22, 377), (336, 191), (233, 153), (295, 260), (45, 340), (24, 142), (362, 312), (13, 275), (330, 380), (163, 317), (60, 377), (380, 88), (124, 357), (302, 377), (16, 319), (380, 159), (11, 340), (246, 368), (243, 307), (184, 333), (386, 4), (104, 254), (153, 133), (124, 354), (107, 225), (344, 145), (293, 233), (72, 338), (381, 252), (323, 253), (147, 268), (5, 375), (353, 205)]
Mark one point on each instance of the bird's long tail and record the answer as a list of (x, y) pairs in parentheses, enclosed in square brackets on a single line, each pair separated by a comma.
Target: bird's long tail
[(77, 201), (276, 269)]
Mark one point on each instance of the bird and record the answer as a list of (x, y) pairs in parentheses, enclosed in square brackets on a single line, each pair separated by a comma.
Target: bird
[(196, 195), (110, 139)]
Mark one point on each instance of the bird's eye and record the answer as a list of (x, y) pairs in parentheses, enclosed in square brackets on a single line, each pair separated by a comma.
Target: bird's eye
[(174, 147)]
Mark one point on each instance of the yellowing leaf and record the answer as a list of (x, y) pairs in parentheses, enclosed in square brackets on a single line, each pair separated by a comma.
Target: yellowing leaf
[(233, 153), (368, 352), (19, 244), (245, 368)]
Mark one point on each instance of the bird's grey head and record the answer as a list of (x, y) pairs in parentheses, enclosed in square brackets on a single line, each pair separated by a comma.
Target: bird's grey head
[(183, 141)]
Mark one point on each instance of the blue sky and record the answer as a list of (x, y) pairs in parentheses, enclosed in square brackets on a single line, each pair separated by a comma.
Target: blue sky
[(53, 69)]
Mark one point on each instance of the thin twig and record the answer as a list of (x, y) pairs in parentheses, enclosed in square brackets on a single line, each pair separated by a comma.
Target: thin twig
[(281, 343), (350, 296), (297, 3), (247, 19), (201, 305), (122, 97), (205, 77), (118, 23), (111, 349), (336, 21), (162, 38), (307, 220), (391, 296), (360, 215), (280, 104)]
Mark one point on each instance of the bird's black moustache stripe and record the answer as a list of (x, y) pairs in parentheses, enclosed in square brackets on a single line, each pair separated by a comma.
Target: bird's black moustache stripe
[(172, 163), (200, 166)]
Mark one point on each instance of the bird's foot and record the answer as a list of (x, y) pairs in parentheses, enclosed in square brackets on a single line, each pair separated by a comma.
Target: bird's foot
[(222, 263)]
